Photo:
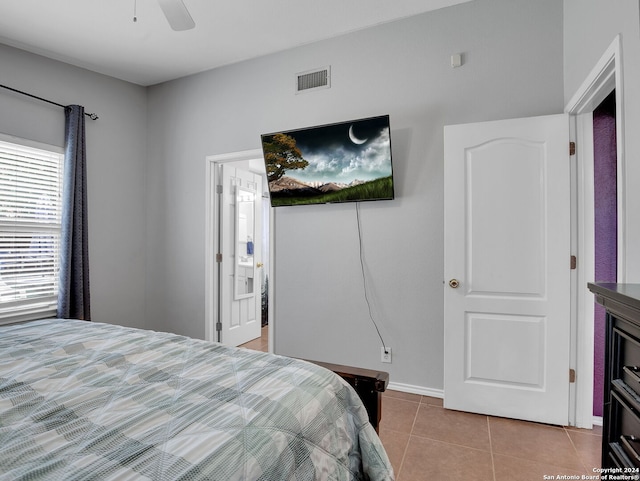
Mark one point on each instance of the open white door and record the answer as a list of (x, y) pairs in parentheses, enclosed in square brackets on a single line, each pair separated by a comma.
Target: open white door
[(240, 267), (507, 268)]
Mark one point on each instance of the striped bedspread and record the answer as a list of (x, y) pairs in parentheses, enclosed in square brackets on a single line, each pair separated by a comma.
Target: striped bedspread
[(91, 401)]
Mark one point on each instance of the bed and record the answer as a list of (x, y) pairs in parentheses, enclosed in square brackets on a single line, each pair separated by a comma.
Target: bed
[(84, 400)]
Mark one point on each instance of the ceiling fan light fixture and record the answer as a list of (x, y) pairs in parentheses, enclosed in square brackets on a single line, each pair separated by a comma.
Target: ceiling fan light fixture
[(177, 14)]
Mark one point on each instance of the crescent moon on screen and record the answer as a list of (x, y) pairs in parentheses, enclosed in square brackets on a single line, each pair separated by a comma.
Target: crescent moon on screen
[(355, 139)]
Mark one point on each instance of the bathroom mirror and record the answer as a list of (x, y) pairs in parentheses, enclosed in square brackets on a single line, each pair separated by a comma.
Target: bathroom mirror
[(244, 245)]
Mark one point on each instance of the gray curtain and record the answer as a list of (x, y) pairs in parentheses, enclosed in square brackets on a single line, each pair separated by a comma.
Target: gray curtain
[(73, 297)]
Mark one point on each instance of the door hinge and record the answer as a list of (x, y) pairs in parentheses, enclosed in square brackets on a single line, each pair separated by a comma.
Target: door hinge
[(218, 326), (574, 262), (219, 189), (218, 257), (572, 376), (572, 148)]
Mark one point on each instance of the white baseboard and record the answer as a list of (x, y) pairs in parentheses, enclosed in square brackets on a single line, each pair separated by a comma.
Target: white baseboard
[(597, 420), (410, 388)]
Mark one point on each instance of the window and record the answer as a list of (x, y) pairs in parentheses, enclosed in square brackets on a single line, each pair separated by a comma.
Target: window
[(30, 222)]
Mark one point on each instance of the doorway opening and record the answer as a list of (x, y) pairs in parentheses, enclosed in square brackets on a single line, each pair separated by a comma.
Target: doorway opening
[(603, 83), (226, 309), (605, 194), (262, 343)]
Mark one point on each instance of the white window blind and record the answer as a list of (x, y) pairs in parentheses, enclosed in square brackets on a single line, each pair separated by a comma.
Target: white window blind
[(30, 220)]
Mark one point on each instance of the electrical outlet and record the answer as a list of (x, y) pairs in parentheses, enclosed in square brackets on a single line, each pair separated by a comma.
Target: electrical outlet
[(385, 354)]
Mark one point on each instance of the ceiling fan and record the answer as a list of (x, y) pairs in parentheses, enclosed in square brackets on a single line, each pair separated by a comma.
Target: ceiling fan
[(177, 14)]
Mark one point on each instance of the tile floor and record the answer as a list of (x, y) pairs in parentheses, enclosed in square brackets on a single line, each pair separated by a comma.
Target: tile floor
[(424, 441)]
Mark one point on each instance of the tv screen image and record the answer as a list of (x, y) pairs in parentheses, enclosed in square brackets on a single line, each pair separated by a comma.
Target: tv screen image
[(342, 162)]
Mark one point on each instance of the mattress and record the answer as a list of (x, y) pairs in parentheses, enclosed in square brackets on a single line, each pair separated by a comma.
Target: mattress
[(93, 401)]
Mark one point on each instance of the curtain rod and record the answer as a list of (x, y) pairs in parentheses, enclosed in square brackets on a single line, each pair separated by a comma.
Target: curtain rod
[(91, 116)]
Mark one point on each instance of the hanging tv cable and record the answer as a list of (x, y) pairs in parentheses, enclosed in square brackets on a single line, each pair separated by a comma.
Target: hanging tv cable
[(364, 278)]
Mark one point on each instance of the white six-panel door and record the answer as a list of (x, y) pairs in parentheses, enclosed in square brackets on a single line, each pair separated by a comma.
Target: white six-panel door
[(507, 268)]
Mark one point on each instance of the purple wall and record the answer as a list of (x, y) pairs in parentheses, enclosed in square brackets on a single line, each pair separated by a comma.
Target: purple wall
[(606, 227)]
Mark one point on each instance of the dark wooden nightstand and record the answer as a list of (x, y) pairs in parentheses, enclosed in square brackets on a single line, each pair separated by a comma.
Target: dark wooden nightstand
[(369, 385)]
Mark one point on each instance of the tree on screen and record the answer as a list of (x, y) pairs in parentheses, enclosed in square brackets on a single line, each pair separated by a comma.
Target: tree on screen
[(282, 154)]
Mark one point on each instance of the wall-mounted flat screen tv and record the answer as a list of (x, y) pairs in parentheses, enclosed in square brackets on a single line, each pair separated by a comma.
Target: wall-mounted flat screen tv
[(341, 162)]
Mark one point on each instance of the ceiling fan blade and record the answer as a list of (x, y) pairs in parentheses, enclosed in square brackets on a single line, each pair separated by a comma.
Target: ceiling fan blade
[(177, 14)]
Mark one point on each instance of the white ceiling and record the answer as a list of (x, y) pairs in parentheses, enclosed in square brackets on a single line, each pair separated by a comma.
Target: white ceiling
[(100, 35)]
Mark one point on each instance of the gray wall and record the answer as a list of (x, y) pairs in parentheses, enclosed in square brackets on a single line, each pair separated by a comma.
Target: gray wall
[(116, 168), (147, 162), (589, 29), (513, 67)]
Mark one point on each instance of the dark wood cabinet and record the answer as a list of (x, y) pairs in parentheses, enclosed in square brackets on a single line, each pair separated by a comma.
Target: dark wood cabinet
[(621, 415)]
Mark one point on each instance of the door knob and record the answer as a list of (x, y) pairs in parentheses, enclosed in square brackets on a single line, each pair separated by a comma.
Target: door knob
[(454, 283), (259, 265)]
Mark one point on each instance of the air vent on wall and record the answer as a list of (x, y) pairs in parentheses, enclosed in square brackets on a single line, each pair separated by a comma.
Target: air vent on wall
[(313, 80)]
